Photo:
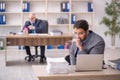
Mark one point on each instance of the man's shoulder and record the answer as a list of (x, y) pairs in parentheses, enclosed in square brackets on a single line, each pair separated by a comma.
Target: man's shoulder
[(27, 22), (38, 20), (96, 36)]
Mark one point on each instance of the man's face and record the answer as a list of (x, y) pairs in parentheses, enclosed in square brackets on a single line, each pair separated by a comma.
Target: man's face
[(31, 18), (80, 33)]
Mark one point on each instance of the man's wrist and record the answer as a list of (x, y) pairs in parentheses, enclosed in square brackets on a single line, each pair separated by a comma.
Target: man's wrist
[(80, 48)]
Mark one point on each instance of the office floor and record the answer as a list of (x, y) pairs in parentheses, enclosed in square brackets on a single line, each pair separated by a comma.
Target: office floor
[(18, 69)]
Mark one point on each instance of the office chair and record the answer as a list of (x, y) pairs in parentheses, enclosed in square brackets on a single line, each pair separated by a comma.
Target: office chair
[(36, 55), (33, 56)]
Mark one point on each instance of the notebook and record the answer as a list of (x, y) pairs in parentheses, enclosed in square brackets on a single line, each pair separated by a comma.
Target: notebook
[(89, 62)]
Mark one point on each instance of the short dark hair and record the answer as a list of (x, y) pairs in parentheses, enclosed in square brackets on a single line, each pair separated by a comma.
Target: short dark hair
[(81, 24)]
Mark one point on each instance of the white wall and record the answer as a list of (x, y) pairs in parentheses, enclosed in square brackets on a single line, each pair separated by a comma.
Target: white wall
[(99, 6)]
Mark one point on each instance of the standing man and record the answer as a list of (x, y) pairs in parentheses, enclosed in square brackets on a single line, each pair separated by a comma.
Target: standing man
[(85, 42), (34, 25)]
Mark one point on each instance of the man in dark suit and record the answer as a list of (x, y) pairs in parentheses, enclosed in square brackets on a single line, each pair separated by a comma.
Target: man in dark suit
[(34, 25), (85, 41)]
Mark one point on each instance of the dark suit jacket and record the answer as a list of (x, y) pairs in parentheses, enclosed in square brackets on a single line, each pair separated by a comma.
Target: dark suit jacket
[(93, 45), (41, 26)]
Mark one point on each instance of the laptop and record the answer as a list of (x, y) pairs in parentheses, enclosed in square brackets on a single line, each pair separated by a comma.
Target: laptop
[(89, 62)]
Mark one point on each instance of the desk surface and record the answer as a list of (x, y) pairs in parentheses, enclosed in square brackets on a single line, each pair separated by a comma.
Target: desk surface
[(41, 72), (36, 39), (36, 35)]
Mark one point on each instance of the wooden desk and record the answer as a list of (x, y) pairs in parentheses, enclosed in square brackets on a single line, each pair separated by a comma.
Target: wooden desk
[(34, 40), (106, 74)]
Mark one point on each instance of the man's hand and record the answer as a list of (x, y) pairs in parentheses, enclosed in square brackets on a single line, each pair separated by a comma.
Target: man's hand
[(78, 43), (25, 30), (31, 27)]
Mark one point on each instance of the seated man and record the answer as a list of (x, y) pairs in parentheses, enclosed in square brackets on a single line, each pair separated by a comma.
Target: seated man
[(34, 25), (84, 42)]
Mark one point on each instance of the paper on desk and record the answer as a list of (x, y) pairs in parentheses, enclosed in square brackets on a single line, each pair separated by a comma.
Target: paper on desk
[(57, 65), (39, 34)]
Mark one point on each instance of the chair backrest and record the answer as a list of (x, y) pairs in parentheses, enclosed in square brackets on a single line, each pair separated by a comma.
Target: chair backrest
[(45, 29)]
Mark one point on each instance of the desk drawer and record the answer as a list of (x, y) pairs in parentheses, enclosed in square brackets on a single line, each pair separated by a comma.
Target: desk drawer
[(14, 41)]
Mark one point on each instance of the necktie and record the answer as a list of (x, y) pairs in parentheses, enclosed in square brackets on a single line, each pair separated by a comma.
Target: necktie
[(78, 50), (33, 24), (82, 43)]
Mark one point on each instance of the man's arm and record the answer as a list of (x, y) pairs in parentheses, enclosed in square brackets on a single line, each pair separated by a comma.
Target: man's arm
[(25, 26), (98, 48), (72, 55)]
